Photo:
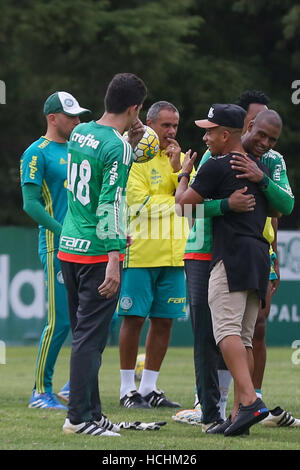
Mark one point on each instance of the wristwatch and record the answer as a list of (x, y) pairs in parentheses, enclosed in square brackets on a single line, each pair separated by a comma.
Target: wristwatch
[(181, 175)]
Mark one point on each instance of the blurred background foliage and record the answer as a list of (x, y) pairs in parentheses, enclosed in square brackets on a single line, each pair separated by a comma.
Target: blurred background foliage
[(192, 53)]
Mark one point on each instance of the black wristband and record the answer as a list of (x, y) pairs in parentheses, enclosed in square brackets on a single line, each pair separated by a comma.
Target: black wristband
[(225, 206), (264, 183), (181, 175)]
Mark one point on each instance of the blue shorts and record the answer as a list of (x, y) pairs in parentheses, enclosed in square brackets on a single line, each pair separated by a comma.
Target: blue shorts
[(154, 292)]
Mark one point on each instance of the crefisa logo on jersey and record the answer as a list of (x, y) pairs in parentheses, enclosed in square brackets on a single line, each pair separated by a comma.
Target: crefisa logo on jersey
[(113, 173), (87, 140)]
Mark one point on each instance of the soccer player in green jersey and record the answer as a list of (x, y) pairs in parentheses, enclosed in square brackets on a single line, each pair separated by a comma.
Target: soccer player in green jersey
[(43, 181), (93, 242), (277, 188)]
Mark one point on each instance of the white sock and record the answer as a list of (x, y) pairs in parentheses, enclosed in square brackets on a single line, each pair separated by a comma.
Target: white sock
[(225, 379), (127, 381), (196, 399), (148, 382)]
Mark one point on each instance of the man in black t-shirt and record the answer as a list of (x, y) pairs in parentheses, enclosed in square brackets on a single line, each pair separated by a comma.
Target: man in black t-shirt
[(240, 264)]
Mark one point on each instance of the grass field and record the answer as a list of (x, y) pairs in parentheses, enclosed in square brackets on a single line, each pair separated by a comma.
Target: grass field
[(22, 428)]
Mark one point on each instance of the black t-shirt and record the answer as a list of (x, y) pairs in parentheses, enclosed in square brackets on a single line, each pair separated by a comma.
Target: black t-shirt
[(237, 237)]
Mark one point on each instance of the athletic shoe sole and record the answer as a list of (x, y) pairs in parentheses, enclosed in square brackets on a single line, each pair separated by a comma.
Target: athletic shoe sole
[(192, 417)]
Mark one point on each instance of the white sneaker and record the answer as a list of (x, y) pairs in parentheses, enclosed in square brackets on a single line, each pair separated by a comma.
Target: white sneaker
[(90, 428), (193, 417), (279, 417)]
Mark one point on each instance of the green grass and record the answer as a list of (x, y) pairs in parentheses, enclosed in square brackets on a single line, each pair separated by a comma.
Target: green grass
[(22, 428)]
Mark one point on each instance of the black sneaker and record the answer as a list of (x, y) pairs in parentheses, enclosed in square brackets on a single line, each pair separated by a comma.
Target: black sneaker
[(246, 417), (134, 400), (221, 426), (157, 398), (218, 427)]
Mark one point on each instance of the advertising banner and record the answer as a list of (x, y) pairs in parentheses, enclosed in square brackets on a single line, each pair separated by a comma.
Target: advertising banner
[(23, 303)]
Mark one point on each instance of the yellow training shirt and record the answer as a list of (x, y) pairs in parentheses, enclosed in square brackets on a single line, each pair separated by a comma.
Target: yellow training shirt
[(159, 235), (268, 232)]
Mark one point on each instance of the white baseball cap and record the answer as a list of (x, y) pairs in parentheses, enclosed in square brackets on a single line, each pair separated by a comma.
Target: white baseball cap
[(63, 102)]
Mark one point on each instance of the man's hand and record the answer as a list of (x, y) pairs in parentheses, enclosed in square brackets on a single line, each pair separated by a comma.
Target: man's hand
[(241, 202), (135, 133), (173, 151), (188, 162), (110, 285), (247, 167), (274, 285)]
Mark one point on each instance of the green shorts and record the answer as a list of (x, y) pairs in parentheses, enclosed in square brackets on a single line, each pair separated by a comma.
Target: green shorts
[(154, 292)]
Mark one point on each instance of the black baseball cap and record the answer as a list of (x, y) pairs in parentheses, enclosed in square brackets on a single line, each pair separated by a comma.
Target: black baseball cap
[(227, 115)]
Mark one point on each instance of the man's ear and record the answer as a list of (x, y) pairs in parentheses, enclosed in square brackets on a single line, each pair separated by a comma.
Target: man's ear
[(250, 125), (51, 119), (226, 135), (132, 110)]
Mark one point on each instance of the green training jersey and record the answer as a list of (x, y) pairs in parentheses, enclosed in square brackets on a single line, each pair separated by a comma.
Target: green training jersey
[(199, 243), (44, 163), (99, 160), (200, 246)]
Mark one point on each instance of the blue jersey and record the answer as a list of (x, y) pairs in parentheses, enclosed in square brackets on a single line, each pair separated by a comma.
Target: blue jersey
[(45, 163)]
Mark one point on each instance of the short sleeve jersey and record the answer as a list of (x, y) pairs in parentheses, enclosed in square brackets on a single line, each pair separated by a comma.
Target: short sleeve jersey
[(237, 237), (44, 163), (99, 160)]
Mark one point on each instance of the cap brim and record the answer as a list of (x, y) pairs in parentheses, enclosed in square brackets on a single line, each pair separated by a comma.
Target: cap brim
[(76, 112), (205, 123)]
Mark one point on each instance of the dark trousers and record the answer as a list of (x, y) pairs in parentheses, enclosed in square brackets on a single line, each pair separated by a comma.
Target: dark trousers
[(206, 353), (90, 318)]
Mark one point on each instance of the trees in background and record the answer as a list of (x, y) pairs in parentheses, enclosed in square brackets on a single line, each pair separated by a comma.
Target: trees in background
[(193, 53)]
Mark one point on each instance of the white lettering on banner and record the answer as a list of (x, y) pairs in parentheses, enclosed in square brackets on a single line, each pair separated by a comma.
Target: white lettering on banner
[(36, 280), (4, 280), (286, 313), (10, 292), (288, 244), (2, 352)]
